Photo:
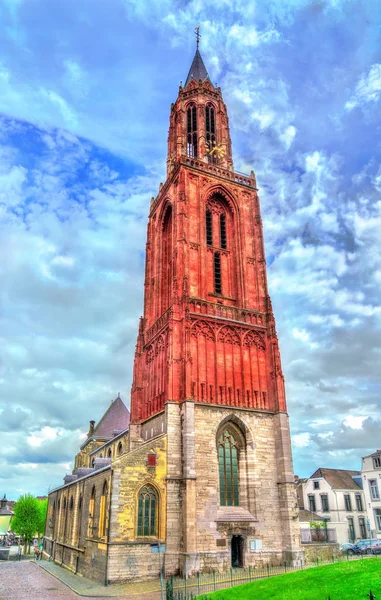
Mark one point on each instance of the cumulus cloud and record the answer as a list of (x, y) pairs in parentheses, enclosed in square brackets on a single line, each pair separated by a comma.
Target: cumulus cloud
[(82, 150)]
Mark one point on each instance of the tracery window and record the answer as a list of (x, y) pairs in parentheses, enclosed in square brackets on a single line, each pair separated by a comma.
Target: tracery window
[(147, 512), (219, 234), (228, 454), (210, 131), (192, 131)]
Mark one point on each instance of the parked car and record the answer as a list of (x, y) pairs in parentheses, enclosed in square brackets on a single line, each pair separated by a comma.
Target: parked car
[(361, 547), (345, 547), (375, 548)]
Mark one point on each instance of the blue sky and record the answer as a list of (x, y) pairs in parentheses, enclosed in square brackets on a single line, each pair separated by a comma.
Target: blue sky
[(85, 94)]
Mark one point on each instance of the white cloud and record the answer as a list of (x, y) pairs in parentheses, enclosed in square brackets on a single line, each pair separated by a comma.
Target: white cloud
[(38, 438), (354, 422), (301, 440), (368, 88)]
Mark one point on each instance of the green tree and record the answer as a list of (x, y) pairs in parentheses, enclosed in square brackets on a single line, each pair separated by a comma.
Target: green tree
[(320, 528), (27, 518), (43, 509)]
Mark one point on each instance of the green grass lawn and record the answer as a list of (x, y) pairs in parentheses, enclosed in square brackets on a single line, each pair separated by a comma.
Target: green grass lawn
[(350, 580)]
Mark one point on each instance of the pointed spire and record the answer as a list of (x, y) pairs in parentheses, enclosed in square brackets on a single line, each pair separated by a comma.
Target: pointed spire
[(197, 70)]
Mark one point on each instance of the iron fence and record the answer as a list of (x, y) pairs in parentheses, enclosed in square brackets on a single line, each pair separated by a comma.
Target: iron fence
[(181, 588)]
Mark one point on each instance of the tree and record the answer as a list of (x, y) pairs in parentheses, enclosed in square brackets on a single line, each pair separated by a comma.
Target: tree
[(43, 510), (27, 519), (320, 529)]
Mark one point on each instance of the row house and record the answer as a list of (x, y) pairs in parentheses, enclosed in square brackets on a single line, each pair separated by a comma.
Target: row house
[(371, 481), (337, 496)]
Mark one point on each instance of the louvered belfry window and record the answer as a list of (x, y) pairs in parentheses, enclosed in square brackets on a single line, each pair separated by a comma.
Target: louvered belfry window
[(192, 131), (210, 130), (228, 469), (147, 512), (209, 228), (217, 273), (223, 231)]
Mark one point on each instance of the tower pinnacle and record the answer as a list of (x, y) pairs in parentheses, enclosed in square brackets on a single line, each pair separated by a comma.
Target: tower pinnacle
[(197, 70)]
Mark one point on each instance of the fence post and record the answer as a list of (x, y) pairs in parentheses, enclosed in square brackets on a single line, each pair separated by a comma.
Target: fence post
[(185, 585), (231, 577), (250, 577), (214, 580), (198, 583), (285, 567)]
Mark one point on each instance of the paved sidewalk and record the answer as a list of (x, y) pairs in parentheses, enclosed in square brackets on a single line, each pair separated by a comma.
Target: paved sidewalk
[(85, 587)]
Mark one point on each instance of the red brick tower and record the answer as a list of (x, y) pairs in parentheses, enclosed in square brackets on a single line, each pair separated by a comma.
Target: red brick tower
[(208, 330)]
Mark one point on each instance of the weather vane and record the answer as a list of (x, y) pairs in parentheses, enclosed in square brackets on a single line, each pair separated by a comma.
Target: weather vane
[(198, 36)]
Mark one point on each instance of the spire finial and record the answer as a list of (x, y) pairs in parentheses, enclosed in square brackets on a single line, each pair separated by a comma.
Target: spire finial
[(198, 35)]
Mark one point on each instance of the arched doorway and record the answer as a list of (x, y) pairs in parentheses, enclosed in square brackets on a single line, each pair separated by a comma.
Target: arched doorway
[(237, 551)]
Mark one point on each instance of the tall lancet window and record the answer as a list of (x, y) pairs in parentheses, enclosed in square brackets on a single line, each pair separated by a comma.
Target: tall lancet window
[(192, 131), (147, 512), (167, 260), (228, 468), (210, 131)]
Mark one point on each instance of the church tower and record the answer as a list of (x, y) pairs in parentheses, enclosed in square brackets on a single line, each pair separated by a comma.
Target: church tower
[(204, 467), (207, 360)]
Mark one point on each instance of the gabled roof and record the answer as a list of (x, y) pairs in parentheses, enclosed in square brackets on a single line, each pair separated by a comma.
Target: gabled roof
[(197, 70), (338, 479), (116, 417)]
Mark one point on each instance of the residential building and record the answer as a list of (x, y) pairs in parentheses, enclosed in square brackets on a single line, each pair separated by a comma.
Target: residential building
[(6, 515), (337, 496), (205, 466), (371, 479)]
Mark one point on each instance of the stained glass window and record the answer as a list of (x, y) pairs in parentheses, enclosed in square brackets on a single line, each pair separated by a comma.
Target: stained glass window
[(228, 468), (147, 512)]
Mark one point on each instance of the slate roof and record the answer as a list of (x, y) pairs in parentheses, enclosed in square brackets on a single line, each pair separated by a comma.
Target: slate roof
[(338, 479), (197, 70), (116, 417)]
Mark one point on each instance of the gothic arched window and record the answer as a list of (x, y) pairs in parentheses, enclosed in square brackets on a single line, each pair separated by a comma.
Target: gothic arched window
[(109, 453), (192, 131), (79, 517), (167, 259), (90, 523), (210, 131), (219, 233), (120, 448), (103, 512), (147, 512), (228, 468)]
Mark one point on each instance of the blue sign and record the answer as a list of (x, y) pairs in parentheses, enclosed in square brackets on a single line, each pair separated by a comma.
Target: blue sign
[(156, 548)]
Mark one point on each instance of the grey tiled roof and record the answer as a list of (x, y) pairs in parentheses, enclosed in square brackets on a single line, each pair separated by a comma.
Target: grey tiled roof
[(338, 479), (197, 70)]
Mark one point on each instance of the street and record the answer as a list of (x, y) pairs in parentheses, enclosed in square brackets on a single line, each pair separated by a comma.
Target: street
[(27, 581)]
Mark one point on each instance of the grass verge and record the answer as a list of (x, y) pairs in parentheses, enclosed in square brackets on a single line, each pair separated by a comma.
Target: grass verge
[(350, 580)]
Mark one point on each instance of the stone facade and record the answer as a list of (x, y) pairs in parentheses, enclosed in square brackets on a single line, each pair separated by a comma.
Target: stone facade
[(205, 465)]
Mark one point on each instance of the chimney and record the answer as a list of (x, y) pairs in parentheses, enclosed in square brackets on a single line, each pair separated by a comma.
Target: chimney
[(91, 430)]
